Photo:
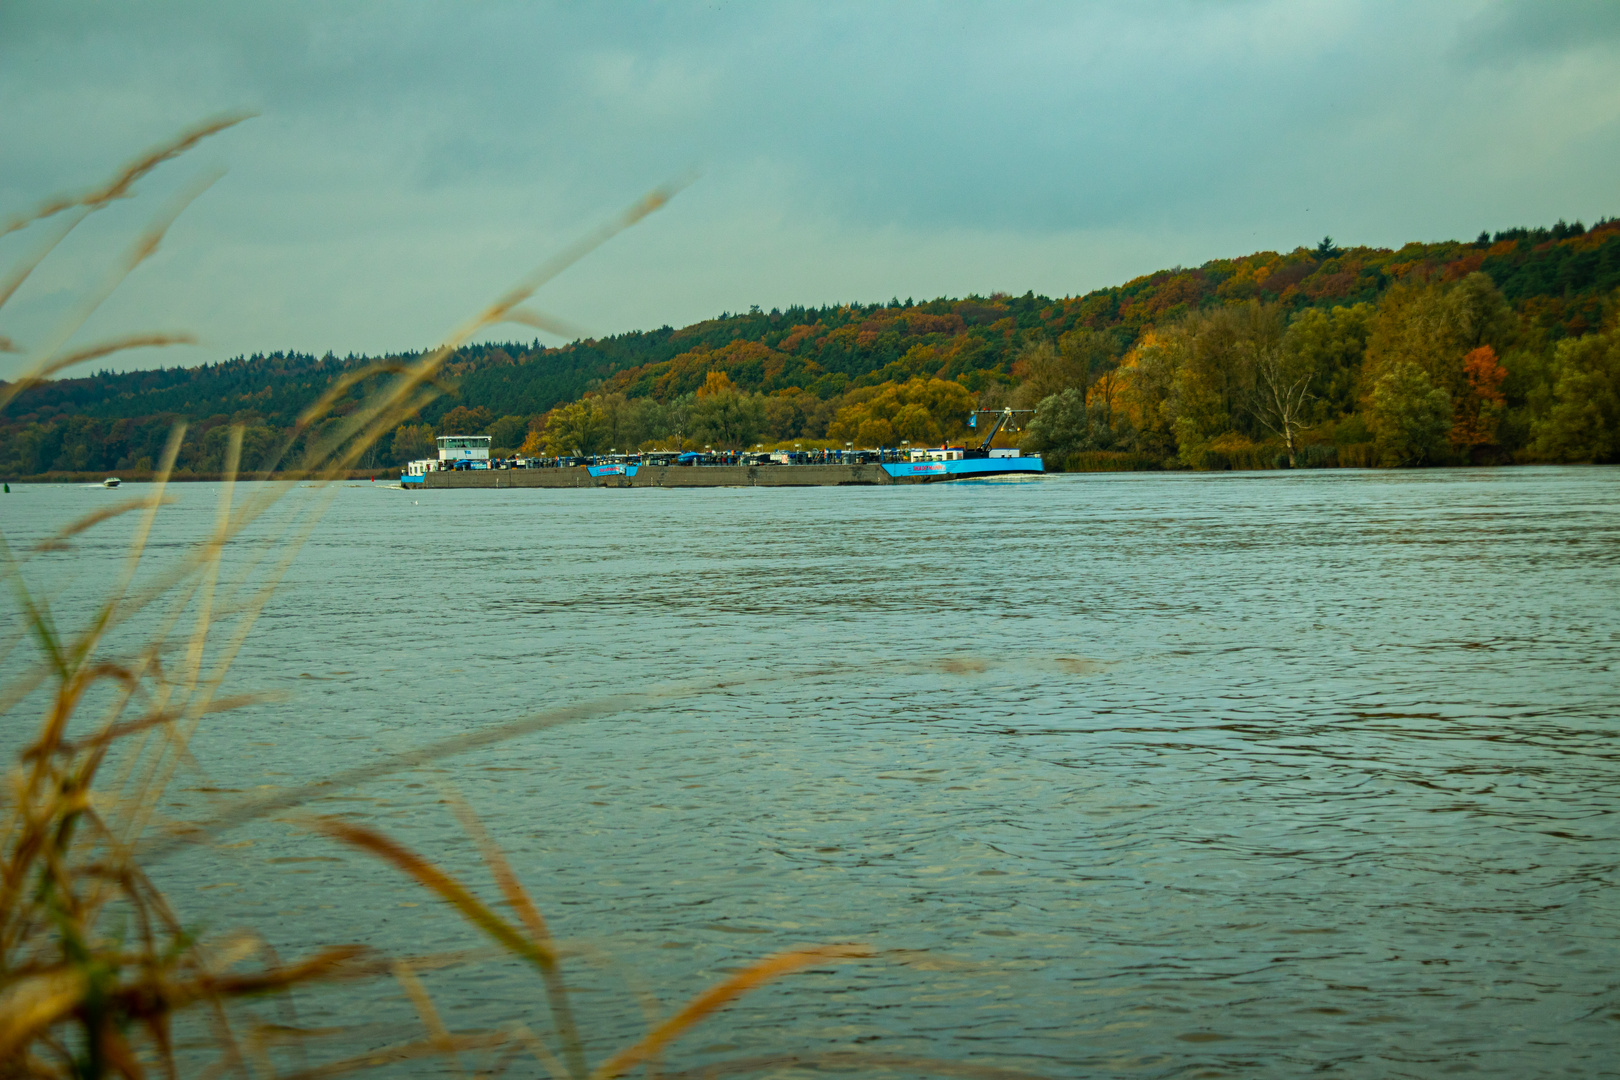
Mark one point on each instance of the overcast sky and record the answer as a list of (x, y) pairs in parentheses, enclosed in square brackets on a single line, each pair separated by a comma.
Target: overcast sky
[(411, 160)]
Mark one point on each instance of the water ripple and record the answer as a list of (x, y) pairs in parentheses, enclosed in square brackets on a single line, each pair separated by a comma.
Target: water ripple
[(1174, 775)]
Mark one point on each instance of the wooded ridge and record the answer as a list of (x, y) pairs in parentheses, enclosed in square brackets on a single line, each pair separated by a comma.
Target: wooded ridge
[(1501, 349)]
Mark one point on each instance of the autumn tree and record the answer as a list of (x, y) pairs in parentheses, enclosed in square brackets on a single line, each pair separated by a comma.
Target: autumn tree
[(1582, 421), (1216, 383), (1331, 343), (1433, 325), (1282, 392), (507, 434), (916, 423), (994, 396), (919, 410), (647, 421), (1477, 411), (462, 420), (1104, 391), (259, 442), (1196, 380), (1410, 416), (1062, 425), (1416, 375), (621, 422), (413, 442), (1090, 352), (674, 420), (875, 433), (1147, 377), (721, 416), (787, 413), (818, 415), (716, 382), (575, 428), (1076, 361)]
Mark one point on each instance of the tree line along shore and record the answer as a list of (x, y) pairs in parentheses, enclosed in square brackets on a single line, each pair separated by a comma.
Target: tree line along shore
[(1504, 349)]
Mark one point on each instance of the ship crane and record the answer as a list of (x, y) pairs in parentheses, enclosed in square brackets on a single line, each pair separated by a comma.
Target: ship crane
[(1003, 416)]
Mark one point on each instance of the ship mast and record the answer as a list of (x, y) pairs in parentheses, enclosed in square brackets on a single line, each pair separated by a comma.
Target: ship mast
[(1002, 417)]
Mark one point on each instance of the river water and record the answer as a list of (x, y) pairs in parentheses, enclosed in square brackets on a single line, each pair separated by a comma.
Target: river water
[(1159, 776)]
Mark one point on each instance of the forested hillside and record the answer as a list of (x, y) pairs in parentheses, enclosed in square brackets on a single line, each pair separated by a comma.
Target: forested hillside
[(1506, 348)]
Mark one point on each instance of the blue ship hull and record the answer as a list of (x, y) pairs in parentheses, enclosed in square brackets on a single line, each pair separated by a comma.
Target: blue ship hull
[(966, 468)]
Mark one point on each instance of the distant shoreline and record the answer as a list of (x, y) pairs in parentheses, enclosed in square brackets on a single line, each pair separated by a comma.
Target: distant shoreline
[(392, 475)]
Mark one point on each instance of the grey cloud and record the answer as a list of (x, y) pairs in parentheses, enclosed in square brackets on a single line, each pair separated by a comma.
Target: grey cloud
[(844, 148), (1516, 30)]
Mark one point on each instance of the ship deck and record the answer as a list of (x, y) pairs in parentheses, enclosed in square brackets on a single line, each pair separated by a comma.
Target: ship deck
[(674, 476)]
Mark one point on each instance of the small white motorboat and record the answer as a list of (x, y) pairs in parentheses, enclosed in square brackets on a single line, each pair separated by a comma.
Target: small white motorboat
[(111, 481)]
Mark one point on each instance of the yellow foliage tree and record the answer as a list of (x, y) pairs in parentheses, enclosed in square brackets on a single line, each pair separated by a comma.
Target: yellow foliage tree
[(875, 433), (916, 424), (716, 382), (919, 410), (1146, 379), (575, 428)]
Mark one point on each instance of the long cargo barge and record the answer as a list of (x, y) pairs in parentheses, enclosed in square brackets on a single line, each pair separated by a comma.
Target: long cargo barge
[(464, 462), (687, 476)]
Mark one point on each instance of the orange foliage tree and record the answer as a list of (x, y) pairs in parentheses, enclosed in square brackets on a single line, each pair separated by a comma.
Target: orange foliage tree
[(1478, 408)]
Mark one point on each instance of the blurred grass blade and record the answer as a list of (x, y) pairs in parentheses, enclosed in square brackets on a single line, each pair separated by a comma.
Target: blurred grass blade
[(96, 352), (26, 266), (562, 1015), (33, 1003), (139, 252), (718, 997), (96, 517), (501, 870), (542, 1053), (428, 1013), (549, 323), (500, 310), (119, 186), (114, 732), (398, 1052), (431, 753), (436, 880), (341, 385)]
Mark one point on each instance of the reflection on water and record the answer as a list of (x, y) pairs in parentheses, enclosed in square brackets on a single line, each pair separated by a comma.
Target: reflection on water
[(1162, 775)]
